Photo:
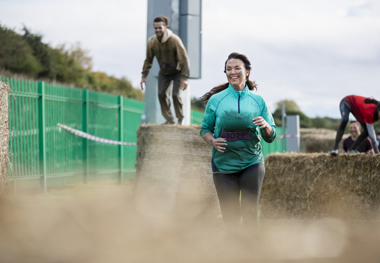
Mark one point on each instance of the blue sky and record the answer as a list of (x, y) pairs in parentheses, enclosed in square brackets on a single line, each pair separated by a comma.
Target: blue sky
[(312, 52)]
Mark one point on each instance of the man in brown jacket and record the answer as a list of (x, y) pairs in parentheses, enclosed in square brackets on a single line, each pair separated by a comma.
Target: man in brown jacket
[(174, 66)]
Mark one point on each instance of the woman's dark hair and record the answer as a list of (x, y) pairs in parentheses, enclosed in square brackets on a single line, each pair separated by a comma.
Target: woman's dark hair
[(247, 64), (162, 18)]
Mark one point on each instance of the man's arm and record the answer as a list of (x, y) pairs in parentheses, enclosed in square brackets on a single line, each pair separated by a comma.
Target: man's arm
[(147, 64), (142, 83), (369, 146), (183, 61), (184, 84)]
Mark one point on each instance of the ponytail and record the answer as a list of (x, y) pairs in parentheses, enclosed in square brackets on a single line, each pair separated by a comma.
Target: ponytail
[(213, 91), (251, 86), (371, 100)]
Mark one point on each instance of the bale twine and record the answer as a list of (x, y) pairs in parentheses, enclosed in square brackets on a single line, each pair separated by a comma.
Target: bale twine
[(173, 173), (4, 139), (318, 185), (318, 140)]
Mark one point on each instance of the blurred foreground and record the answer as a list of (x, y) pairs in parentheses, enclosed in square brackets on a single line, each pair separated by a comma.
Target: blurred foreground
[(99, 222)]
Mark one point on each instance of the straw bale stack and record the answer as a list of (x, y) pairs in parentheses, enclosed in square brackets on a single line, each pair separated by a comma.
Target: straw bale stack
[(174, 179), (318, 140), (173, 171), (4, 137), (318, 185)]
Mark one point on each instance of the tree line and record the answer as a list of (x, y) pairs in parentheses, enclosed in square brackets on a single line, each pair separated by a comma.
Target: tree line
[(26, 55)]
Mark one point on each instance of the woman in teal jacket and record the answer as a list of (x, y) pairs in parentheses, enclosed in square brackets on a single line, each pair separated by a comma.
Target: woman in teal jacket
[(235, 121)]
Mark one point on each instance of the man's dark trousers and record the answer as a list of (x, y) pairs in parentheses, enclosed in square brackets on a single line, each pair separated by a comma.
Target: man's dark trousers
[(164, 96)]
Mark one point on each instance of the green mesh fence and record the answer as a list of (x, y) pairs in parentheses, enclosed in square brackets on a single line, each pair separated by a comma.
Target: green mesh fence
[(196, 117), (275, 146), (43, 155)]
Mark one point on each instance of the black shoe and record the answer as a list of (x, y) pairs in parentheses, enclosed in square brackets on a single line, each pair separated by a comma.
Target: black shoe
[(168, 122), (180, 121)]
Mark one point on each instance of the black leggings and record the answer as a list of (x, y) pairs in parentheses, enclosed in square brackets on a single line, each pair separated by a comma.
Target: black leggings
[(228, 187)]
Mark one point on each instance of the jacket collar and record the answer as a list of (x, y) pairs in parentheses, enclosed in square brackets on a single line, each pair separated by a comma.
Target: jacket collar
[(167, 34), (243, 93)]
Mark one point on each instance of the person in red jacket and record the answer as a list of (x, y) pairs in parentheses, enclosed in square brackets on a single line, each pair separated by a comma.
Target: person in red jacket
[(366, 111)]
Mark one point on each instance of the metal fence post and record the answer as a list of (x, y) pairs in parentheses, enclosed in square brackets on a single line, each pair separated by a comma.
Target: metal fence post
[(42, 134), (283, 128), (293, 128), (121, 138), (85, 145)]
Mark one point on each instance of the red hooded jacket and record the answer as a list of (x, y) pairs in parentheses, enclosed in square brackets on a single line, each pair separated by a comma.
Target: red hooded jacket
[(363, 111)]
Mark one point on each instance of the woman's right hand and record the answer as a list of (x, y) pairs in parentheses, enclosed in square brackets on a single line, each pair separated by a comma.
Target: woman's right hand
[(219, 143)]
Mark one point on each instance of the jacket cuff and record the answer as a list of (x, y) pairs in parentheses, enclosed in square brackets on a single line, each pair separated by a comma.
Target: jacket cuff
[(203, 132), (271, 137)]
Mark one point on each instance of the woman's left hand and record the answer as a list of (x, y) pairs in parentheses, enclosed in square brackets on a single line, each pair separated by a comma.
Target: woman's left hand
[(262, 124), (259, 121)]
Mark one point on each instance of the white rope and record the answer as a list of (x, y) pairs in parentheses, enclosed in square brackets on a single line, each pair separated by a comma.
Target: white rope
[(288, 136), (91, 137)]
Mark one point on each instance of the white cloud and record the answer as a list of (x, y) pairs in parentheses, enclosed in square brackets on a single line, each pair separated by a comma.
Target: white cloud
[(361, 8)]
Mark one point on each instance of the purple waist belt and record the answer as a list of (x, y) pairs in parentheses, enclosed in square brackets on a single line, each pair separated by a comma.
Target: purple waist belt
[(236, 136)]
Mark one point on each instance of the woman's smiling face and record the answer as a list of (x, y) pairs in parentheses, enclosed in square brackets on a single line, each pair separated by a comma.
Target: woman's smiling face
[(236, 73)]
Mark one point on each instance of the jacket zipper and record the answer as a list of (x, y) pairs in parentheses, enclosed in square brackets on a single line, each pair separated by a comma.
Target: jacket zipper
[(239, 104)]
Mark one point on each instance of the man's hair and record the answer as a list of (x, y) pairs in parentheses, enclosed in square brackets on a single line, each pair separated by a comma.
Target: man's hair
[(161, 18), (354, 122)]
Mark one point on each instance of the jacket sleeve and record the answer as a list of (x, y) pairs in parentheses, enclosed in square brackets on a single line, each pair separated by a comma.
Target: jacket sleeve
[(148, 60), (267, 115), (183, 59), (208, 122)]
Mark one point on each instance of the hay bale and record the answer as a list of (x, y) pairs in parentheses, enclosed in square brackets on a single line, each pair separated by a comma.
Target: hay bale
[(4, 137), (173, 172), (318, 185), (318, 140), (308, 131), (174, 179)]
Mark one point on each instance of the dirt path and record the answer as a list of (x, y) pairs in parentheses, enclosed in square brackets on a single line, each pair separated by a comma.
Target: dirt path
[(98, 223)]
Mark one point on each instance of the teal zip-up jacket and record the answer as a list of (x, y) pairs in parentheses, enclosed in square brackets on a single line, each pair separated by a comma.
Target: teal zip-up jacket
[(232, 111)]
